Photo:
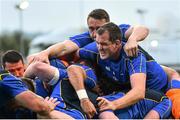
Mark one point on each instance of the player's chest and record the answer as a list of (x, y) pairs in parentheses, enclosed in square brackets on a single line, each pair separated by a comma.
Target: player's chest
[(115, 70)]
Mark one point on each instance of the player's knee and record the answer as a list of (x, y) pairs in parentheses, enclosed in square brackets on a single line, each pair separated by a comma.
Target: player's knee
[(164, 108), (107, 115)]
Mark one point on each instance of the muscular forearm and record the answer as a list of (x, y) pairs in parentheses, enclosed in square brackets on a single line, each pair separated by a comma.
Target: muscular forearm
[(33, 102), (76, 77), (61, 49), (137, 33), (42, 108), (130, 98), (138, 83)]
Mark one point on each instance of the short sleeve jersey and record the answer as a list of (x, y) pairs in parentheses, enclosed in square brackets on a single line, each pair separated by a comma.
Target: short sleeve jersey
[(121, 69), (83, 39), (10, 86)]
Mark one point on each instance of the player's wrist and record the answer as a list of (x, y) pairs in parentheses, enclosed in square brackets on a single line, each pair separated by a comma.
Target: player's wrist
[(115, 105), (82, 94), (50, 52)]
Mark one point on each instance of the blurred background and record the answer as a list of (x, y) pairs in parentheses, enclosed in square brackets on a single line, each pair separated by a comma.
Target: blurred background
[(32, 25)]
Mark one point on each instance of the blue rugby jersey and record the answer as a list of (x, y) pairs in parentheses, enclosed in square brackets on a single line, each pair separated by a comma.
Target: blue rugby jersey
[(121, 69), (10, 86), (84, 38), (13, 85), (40, 90)]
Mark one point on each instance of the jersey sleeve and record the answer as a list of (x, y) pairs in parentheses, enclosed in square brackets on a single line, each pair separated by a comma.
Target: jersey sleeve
[(57, 63), (89, 52), (12, 85), (124, 28), (137, 64), (81, 39), (63, 74)]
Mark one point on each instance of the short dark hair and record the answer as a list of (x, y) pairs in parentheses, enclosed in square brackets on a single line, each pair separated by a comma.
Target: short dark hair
[(112, 29), (99, 14), (11, 56)]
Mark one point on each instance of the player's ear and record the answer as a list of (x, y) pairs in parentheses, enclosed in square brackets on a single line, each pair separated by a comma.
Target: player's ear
[(118, 42)]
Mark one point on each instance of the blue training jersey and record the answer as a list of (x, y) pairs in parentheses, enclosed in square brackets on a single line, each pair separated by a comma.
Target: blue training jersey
[(121, 69), (40, 90), (84, 38), (10, 86)]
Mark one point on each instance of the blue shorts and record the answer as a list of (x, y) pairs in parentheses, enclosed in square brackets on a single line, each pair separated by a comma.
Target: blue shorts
[(173, 84), (58, 92), (153, 101)]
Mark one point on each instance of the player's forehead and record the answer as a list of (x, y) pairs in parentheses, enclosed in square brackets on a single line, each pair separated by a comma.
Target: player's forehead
[(15, 65), (92, 22)]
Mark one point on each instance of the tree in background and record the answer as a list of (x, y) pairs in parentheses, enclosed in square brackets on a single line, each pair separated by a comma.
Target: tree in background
[(12, 41)]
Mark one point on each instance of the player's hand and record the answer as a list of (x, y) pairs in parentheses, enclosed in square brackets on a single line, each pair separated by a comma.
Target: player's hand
[(131, 48), (51, 102), (41, 56), (105, 104), (88, 107)]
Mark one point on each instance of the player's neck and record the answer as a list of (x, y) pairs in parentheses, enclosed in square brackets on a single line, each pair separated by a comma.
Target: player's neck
[(117, 53)]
